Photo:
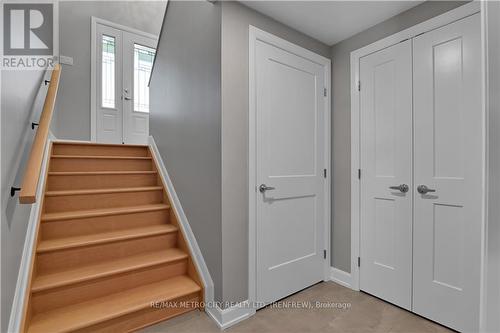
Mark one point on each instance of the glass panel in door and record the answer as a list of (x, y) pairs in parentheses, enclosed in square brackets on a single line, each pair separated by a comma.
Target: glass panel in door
[(143, 64), (108, 72), (108, 65)]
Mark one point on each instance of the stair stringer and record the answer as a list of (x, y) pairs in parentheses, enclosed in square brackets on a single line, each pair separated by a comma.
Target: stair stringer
[(188, 239), (20, 305)]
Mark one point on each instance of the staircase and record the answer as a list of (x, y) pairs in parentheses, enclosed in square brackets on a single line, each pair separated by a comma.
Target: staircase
[(108, 245)]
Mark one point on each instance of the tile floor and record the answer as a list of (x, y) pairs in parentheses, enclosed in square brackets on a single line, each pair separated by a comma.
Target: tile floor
[(366, 314)]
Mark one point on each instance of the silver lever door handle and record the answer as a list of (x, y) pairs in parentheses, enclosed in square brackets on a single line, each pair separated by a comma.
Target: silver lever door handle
[(263, 188), (422, 189), (127, 98), (403, 188)]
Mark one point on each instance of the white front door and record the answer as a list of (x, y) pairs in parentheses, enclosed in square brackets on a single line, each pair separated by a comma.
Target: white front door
[(290, 139), (386, 161), (449, 161), (123, 65)]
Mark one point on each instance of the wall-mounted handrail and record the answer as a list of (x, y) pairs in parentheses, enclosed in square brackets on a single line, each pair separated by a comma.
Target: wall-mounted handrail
[(34, 165)]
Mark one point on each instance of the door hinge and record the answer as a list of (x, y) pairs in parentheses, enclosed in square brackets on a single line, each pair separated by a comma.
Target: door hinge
[(324, 254), (359, 261), (359, 173), (324, 173), (324, 92), (359, 85)]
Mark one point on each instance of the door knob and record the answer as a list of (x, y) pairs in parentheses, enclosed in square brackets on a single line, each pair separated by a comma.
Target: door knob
[(127, 98), (263, 188), (422, 189), (403, 188)]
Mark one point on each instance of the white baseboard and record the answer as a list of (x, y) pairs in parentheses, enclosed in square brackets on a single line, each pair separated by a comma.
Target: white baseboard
[(184, 224), (16, 313), (341, 277), (225, 318)]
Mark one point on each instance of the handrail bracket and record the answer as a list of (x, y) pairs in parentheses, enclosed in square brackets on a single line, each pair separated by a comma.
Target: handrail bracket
[(13, 190)]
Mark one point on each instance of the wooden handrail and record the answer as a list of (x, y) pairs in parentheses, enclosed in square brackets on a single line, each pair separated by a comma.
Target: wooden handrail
[(34, 165)]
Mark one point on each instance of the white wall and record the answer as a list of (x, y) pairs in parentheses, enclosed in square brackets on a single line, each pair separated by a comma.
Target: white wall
[(19, 107), (73, 106)]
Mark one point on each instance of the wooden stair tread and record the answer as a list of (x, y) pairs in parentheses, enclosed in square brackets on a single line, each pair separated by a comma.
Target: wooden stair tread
[(103, 269), (91, 173), (104, 190), (106, 237), (81, 214), (88, 143), (108, 157), (92, 312)]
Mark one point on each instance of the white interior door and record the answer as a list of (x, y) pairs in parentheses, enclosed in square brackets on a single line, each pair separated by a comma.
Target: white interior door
[(124, 62), (139, 53), (386, 163), (448, 160), (109, 107), (290, 136)]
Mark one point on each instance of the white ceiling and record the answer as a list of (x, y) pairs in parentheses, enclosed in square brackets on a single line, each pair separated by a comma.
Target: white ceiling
[(330, 21)]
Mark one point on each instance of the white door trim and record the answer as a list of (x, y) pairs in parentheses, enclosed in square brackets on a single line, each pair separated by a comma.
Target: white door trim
[(436, 22), (490, 306), (93, 69), (256, 34)]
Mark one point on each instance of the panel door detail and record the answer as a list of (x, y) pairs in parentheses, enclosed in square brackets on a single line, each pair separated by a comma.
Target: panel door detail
[(290, 161), (449, 163), (386, 185)]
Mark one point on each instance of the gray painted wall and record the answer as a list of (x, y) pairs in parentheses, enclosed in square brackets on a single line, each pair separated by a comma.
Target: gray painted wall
[(185, 119), (493, 278), (18, 108), (235, 21), (73, 106), (341, 119)]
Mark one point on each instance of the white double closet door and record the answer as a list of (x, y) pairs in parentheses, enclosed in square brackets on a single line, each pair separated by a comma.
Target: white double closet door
[(422, 174)]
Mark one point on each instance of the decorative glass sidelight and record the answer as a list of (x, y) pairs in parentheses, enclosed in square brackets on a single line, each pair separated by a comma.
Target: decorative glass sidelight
[(143, 64), (108, 72)]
